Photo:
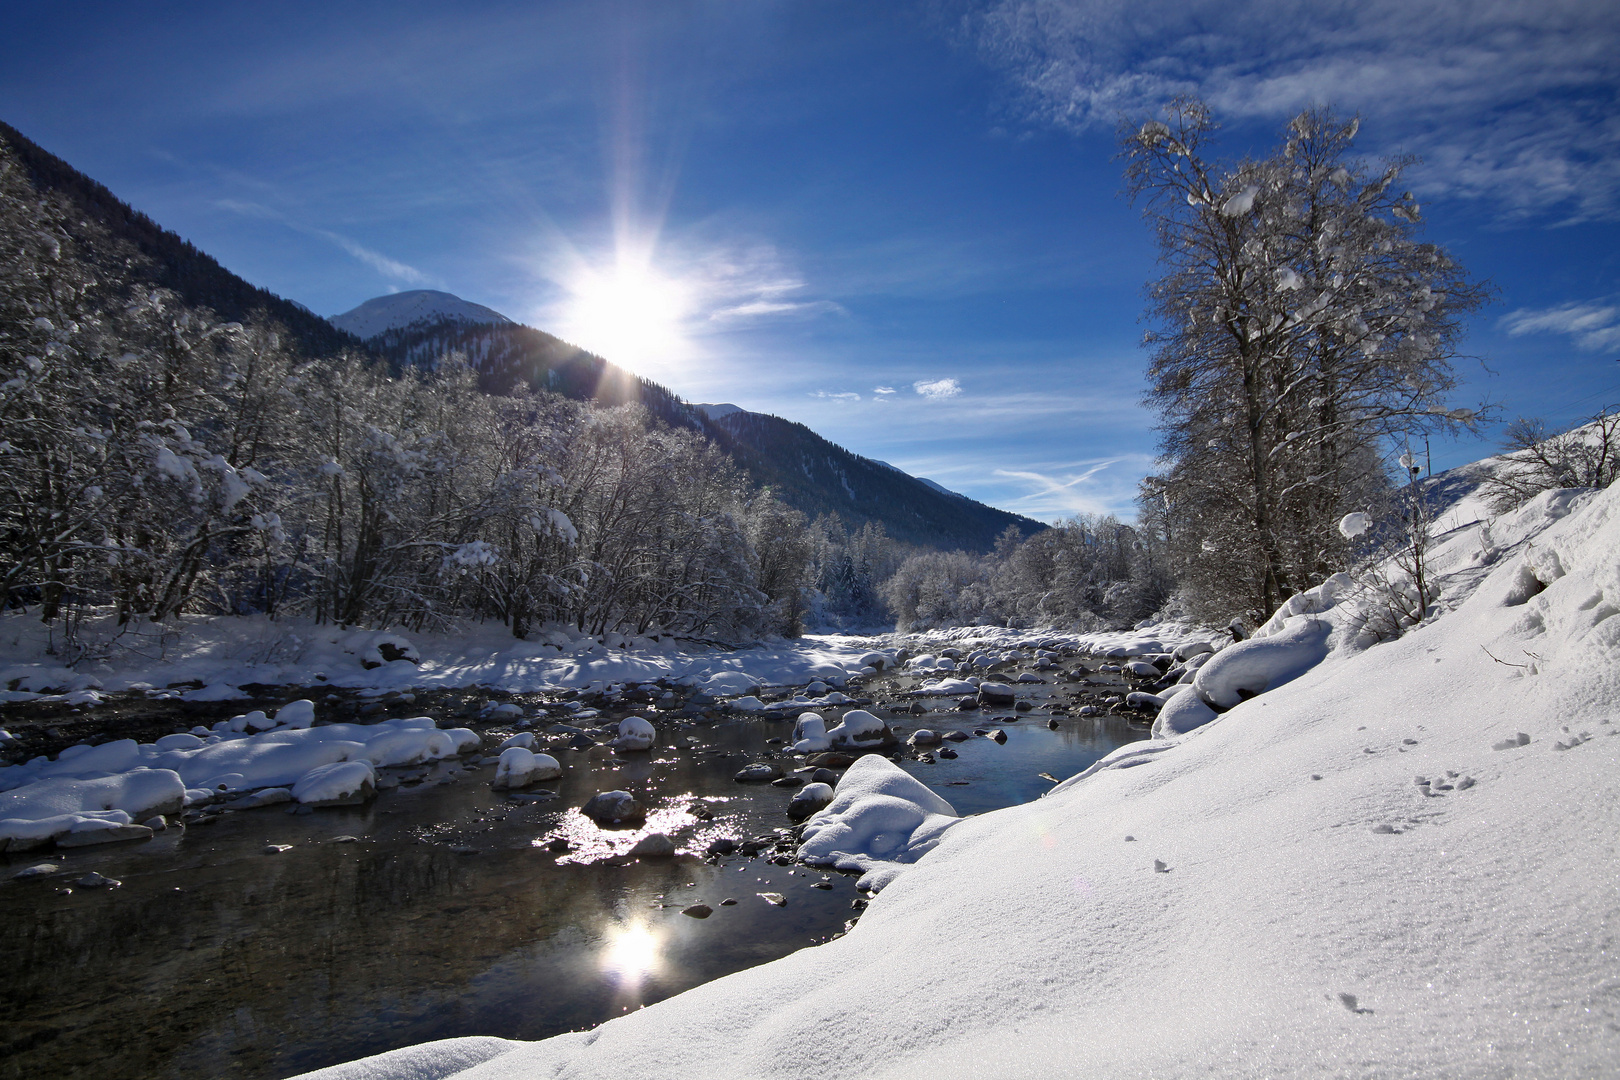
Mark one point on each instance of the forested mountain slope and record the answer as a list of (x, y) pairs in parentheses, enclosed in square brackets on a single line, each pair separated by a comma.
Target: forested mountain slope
[(804, 470), (170, 261)]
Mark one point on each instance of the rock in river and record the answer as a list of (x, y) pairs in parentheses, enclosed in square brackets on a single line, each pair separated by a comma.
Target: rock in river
[(614, 808)]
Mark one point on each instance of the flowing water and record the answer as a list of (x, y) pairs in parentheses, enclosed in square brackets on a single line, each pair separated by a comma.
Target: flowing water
[(438, 910)]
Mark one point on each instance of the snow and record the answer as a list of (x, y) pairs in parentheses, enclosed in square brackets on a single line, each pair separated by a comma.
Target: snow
[(520, 767), (341, 781), (730, 682), (810, 734), (1337, 877), (1354, 524), (635, 733), (37, 813), (123, 781), (881, 819), (1241, 203), (402, 309), (859, 728), (1250, 668)]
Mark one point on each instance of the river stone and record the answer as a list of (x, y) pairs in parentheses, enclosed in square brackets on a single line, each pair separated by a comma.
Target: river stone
[(810, 798), (833, 760), (788, 782), (698, 911), (39, 870), (653, 845), (994, 693), (263, 797), (613, 808), (723, 845), (93, 880), (759, 772), (824, 776)]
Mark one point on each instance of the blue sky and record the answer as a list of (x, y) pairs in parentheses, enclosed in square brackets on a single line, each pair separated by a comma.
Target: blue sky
[(898, 223)]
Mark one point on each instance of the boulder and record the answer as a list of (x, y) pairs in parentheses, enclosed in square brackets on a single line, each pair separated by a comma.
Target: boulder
[(808, 799), (994, 693), (614, 808), (654, 846)]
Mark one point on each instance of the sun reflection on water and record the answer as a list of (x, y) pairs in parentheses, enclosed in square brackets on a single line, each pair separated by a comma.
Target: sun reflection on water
[(633, 952)]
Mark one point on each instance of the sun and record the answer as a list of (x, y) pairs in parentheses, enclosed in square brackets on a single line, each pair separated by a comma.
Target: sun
[(628, 313)]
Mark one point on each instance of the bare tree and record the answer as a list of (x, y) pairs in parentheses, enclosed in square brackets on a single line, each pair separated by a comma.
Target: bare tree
[(1299, 326)]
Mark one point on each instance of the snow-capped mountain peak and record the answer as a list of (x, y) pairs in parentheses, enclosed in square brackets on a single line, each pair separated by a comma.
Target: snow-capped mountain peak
[(397, 310), (715, 412)]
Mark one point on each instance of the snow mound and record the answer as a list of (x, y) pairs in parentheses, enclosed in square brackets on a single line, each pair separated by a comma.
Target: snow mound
[(858, 728), (810, 734), (139, 780), (880, 820), (723, 683), (340, 783), (47, 810), (635, 733), (520, 767)]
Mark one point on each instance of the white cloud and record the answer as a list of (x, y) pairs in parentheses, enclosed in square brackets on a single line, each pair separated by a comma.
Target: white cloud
[(1507, 101), (846, 396), (882, 389), (937, 389), (1593, 326)]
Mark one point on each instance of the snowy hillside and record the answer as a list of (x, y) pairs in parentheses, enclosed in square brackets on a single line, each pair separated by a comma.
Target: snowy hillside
[(397, 310), (715, 412), (1400, 862)]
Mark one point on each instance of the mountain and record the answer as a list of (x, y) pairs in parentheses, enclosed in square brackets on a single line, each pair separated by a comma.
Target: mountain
[(941, 488), (507, 354), (169, 261), (803, 469), (398, 311), (817, 476)]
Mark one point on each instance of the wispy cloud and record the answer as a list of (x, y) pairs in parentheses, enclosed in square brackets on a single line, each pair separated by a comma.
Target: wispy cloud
[(937, 389), (387, 267), (848, 395), (1516, 99), (1593, 326), (882, 390), (1086, 487)]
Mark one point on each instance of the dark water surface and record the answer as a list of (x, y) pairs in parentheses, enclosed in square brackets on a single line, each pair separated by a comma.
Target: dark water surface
[(442, 913)]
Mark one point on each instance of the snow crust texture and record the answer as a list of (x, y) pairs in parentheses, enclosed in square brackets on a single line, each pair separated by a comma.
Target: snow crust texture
[(1364, 871)]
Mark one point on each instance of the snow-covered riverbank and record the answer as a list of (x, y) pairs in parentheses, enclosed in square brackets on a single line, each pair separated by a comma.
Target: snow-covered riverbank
[(1403, 862)]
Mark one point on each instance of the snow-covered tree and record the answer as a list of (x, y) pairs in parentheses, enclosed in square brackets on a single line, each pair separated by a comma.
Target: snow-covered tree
[(1300, 325)]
